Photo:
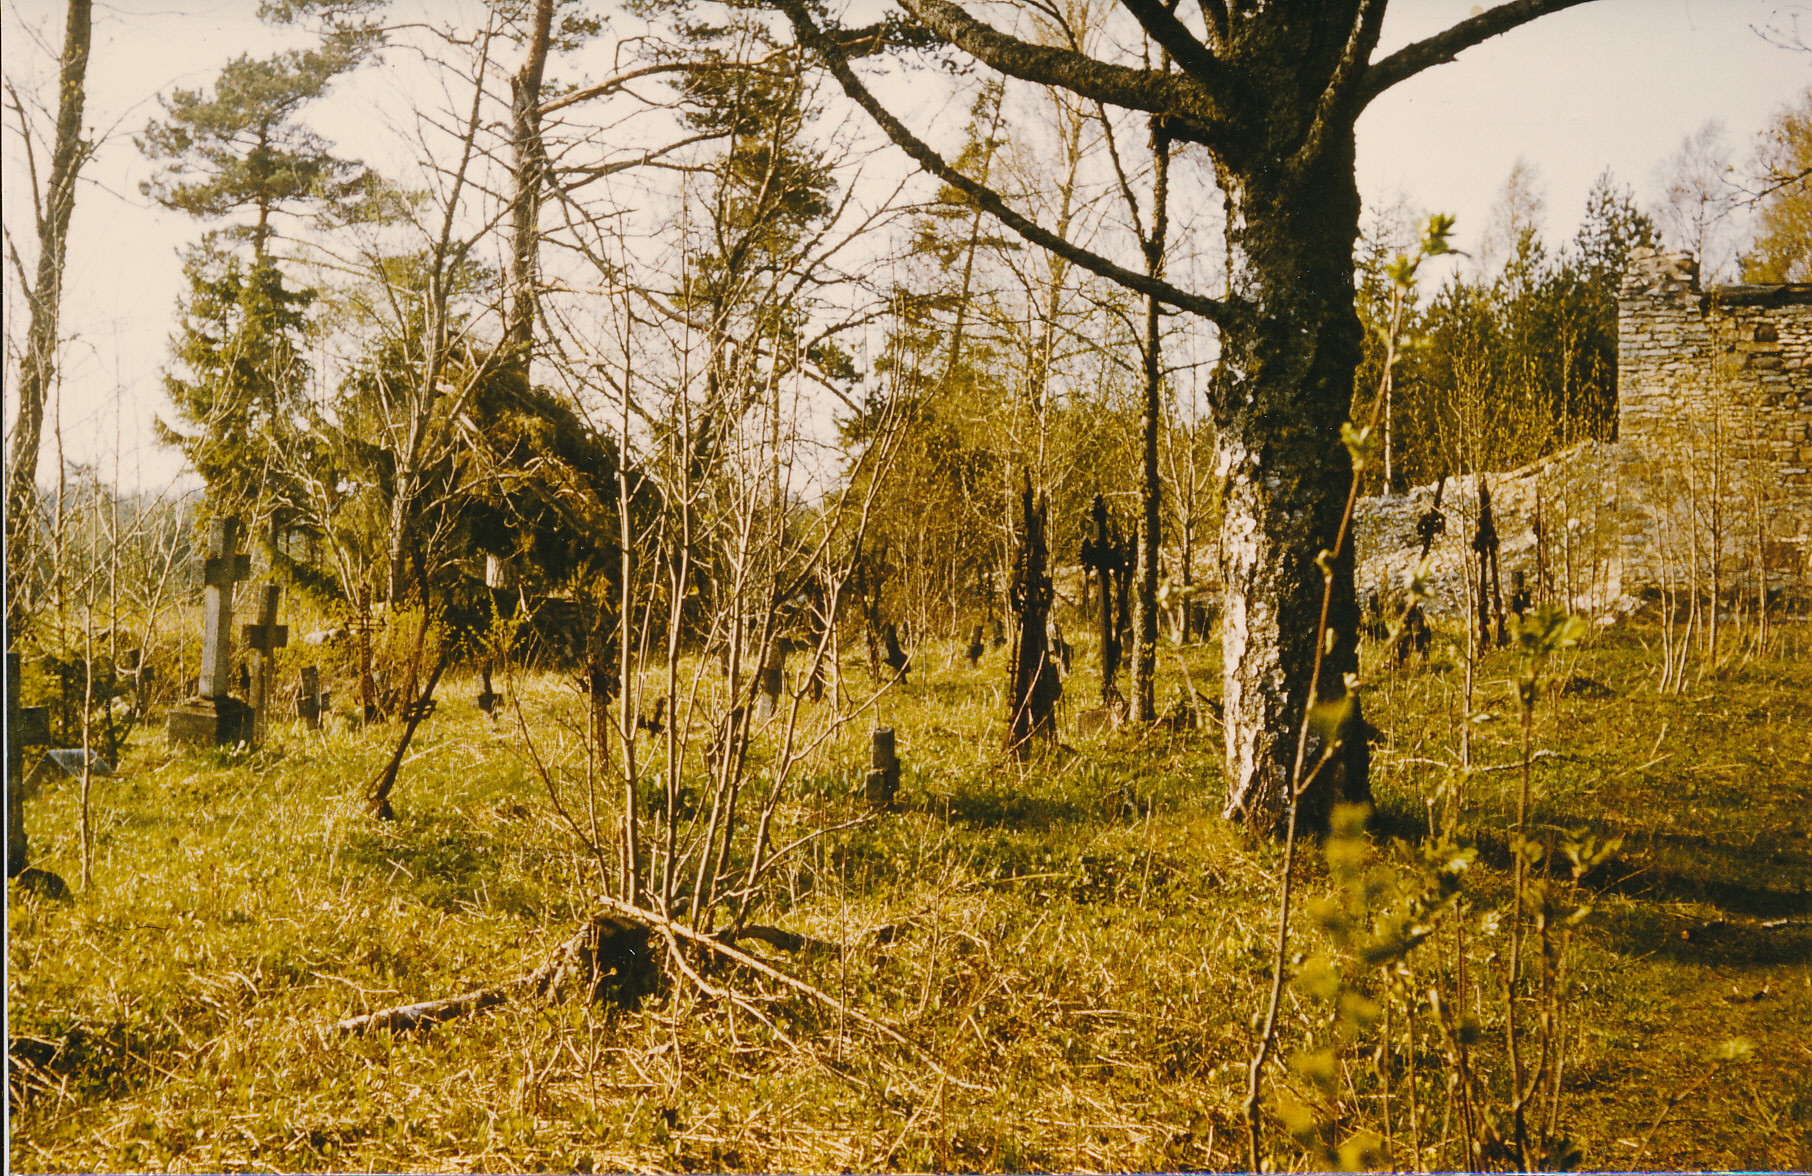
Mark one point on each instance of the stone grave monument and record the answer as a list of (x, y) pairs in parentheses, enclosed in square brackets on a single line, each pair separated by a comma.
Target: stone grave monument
[(213, 717)]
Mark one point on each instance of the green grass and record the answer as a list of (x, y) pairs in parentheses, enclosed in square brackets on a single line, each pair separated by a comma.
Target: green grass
[(1077, 947)]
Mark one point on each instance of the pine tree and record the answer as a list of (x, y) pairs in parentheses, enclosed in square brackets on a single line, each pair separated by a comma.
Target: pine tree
[(240, 377), (244, 149), (242, 153)]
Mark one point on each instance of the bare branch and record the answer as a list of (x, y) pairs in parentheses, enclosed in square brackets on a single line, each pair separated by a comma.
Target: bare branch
[(1182, 97), (1337, 105), (1444, 47), (1159, 21), (986, 198)]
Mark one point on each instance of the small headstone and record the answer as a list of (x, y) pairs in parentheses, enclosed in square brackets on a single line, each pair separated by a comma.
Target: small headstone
[(883, 779), (312, 701)]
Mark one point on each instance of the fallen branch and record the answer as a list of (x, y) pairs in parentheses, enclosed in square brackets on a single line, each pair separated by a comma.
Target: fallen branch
[(787, 941), (428, 1012)]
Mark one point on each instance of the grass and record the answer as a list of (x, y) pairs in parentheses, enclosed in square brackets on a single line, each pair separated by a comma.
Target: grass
[(1077, 947)]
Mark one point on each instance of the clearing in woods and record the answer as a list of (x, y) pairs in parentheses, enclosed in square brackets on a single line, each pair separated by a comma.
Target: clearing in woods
[(1075, 949)]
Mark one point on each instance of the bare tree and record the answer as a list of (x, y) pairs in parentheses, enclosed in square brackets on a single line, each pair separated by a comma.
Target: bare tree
[(53, 204)]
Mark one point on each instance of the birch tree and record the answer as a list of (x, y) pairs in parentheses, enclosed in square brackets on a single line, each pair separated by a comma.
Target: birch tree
[(1273, 91), (53, 205)]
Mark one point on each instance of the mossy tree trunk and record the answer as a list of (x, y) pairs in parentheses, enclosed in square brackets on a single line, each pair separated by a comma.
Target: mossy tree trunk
[(1272, 89)]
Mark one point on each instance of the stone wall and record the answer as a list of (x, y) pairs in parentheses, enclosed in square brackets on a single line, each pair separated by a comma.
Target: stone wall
[(1729, 364), (1714, 400), (1709, 482)]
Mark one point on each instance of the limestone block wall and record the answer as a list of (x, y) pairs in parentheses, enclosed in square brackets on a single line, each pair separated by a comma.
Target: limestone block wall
[(1714, 389), (1728, 363), (1708, 486)]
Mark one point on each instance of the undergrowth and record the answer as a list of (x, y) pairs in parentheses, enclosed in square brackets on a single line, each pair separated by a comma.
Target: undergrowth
[(1075, 948)]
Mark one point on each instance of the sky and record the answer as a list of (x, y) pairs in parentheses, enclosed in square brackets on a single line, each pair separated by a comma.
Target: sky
[(1614, 84)]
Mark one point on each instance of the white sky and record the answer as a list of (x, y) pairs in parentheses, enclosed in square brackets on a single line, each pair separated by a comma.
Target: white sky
[(1615, 83)]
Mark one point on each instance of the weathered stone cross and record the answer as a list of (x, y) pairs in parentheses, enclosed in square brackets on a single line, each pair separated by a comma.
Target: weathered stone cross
[(223, 568), (264, 639), (212, 716)]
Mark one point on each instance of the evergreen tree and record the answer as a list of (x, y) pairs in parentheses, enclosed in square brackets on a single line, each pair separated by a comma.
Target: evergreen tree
[(242, 153), (240, 376), (244, 149)]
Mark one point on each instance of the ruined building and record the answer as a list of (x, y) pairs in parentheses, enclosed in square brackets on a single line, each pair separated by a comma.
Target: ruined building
[(1707, 487), (1740, 355), (1714, 420)]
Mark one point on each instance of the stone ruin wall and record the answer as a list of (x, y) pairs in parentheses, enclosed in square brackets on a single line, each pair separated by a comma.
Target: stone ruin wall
[(1714, 432), (1714, 422), (1739, 357)]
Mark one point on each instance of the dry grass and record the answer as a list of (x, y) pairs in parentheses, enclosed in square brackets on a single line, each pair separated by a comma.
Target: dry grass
[(1075, 949)]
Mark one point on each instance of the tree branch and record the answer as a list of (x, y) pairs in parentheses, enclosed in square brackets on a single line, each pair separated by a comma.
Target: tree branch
[(1214, 12), (1337, 100), (1179, 96), (1444, 47), (986, 198), (1174, 36)]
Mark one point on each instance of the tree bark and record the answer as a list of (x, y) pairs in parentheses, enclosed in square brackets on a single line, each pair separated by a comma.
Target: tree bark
[(1151, 486), (37, 368), (1285, 381), (1274, 93), (530, 174)]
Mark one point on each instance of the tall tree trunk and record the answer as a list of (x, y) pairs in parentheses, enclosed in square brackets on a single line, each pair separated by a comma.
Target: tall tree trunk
[(530, 167), (1286, 374), (1145, 610), (37, 368)]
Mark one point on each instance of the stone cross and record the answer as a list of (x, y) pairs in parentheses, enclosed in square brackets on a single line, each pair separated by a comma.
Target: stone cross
[(264, 639), (224, 567)]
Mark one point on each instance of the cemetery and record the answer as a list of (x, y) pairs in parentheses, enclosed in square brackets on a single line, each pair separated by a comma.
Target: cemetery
[(744, 591)]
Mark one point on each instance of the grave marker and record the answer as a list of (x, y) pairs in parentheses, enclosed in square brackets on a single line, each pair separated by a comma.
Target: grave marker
[(25, 725), (488, 699), (264, 639), (213, 717), (312, 703), (66, 764), (883, 779)]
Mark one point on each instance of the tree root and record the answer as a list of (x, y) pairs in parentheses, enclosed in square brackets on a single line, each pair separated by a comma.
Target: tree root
[(675, 933), (608, 958)]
